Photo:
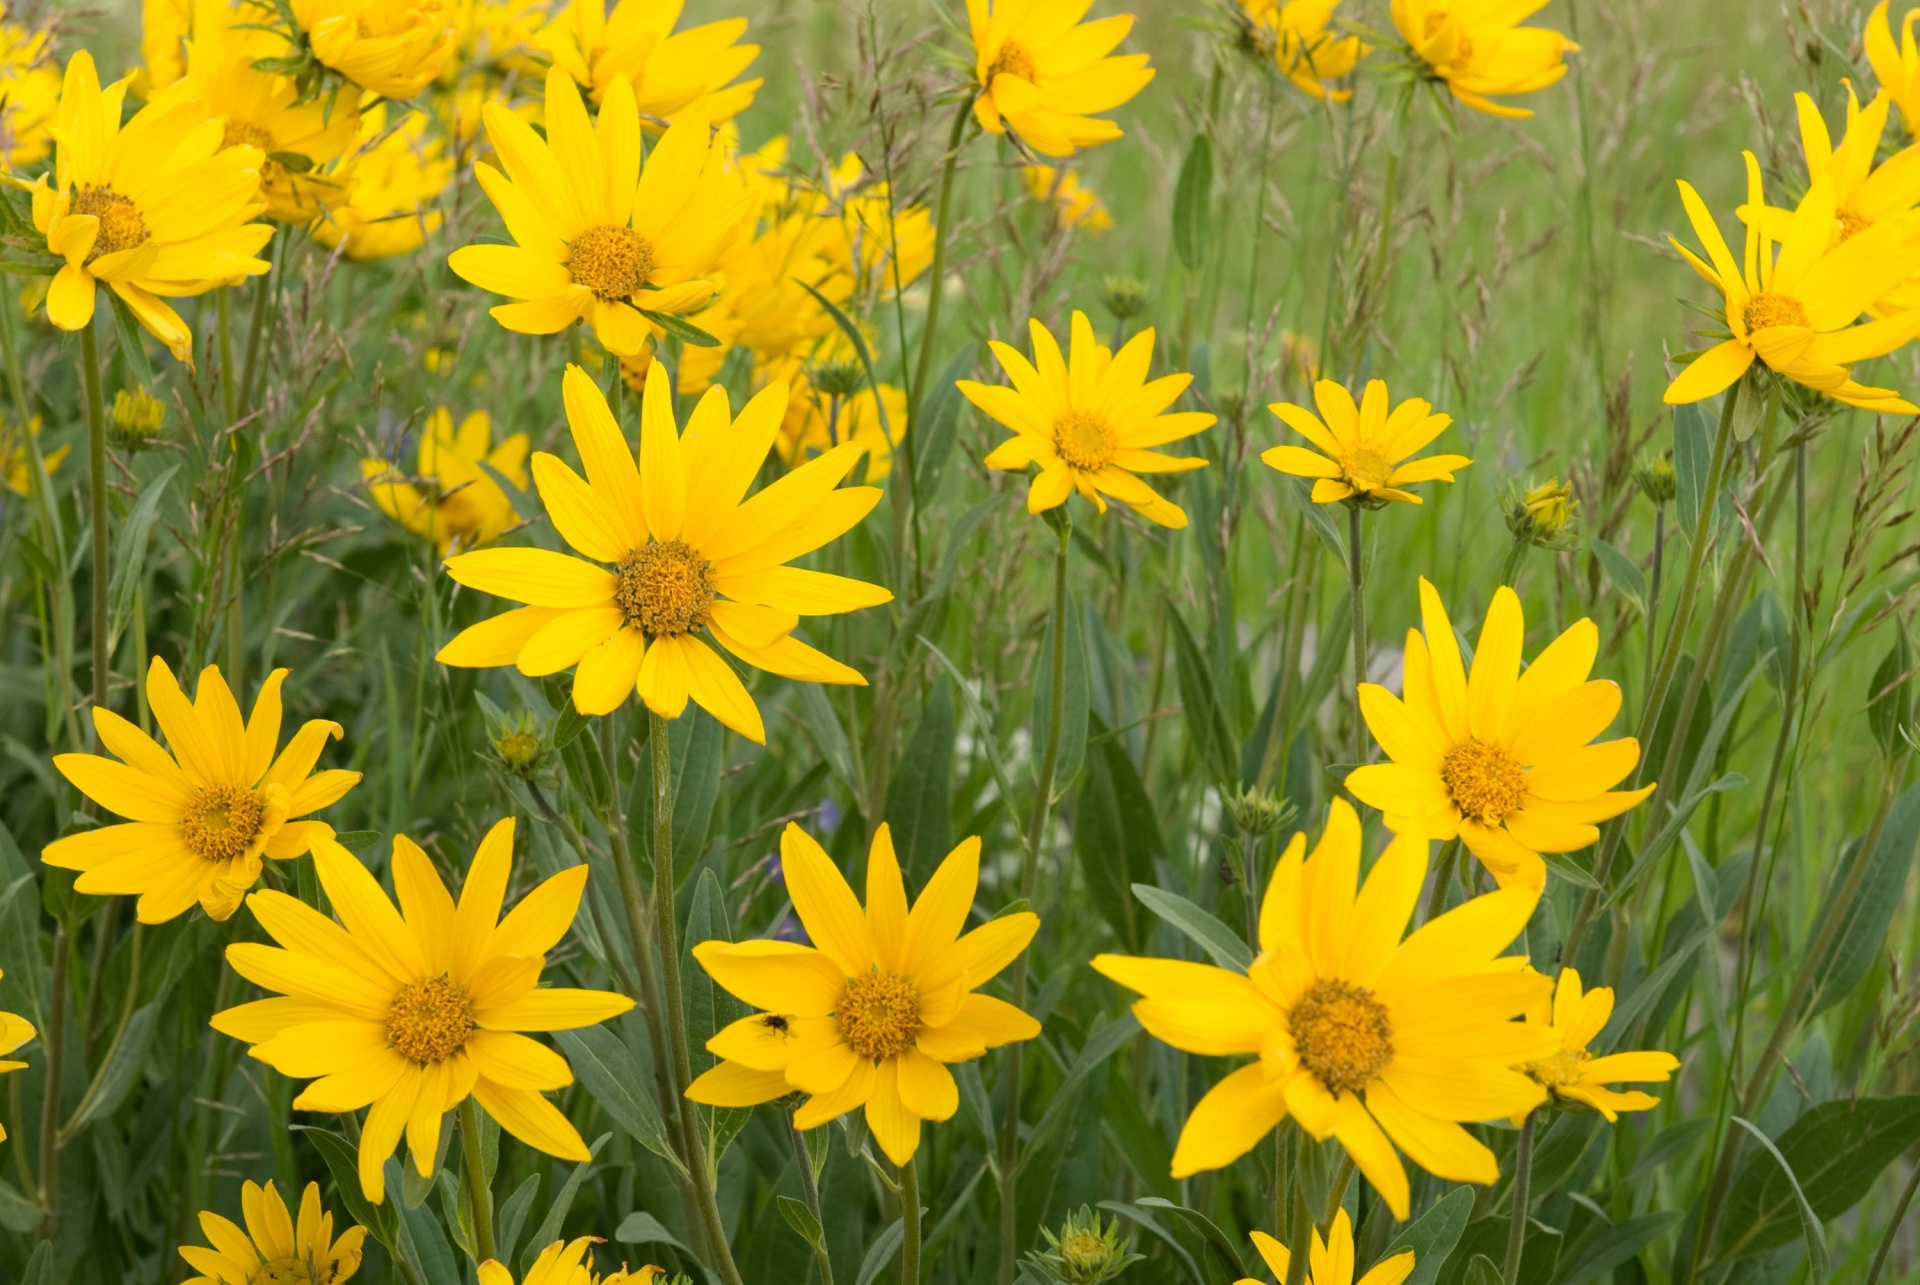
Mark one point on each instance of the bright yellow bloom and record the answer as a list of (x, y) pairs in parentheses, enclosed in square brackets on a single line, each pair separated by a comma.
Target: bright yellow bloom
[(1044, 74), (668, 71), (392, 186), (1479, 48), (449, 498), (1364, 450), (1074, 204), (1897, 68), (158, 206), (809, 429), (393, 48), (873, 1012), (1795, 312), (568, 1263), (690, 554), (870, 241), (202, 812), (29, 92), (273, 1248), (15, 1030), (411, 1010), (16, 456), (1359, 1035), (1089, 420), (1573, 1074), (596, 235), (1331, 1260), (1497, 757), (164, 27), (1305, 47)]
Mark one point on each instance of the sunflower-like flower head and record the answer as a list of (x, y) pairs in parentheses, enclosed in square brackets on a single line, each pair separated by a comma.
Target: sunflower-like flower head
[(410, 1011), (1794, 311), (15, 1030), (16, 454), (392, 48), (202, 812), (1330, 1262), (1074, 204), (1478, 48), (872, 1013), (29, 92), (158, 206), (1365, 450), (689, 555), (1896, 67), (1573, 1074), (1498, 758), (274, 1249), (1045, 75), (450, 498), (393, 179), (1089, 420), (1358, 1035), (597, 236), (1305, 44), (667, 71)]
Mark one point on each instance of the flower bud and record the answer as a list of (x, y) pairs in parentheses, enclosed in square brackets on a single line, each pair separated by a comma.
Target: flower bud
[(1256, 811), (1124, 297), (1543, 516), (1086, 1252), (1655, 477), (138, 417)]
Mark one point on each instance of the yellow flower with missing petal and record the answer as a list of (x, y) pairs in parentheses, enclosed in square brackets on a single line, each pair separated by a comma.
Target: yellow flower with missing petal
[(1573, 1074), (1044, 75), (1478, 48), (274, 1249), (1896, 67), (449, 497), (1331, 1260), (568, 1263), (15, 1030), (1365, 450), (667, 70)]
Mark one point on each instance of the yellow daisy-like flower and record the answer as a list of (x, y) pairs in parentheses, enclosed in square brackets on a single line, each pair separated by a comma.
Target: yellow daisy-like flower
[(1045, 75), (1306, 47), (1795, 310), (1330, 1262), (16, 459), (691, 554), (29, 92), (1089, 420), (810, 428), (158, 206), (201, 817), (668, 71), (393, 48), (1074, 203), (569, 1263), (1478, 48), (410, 1011), (1574, 1075), (449, 498), (274, 1249), (1365, 450), (1498, 758), (15, 1030), (597, 236), (393, 182), (873, 1012), (1359, 1035), (1896, 67)]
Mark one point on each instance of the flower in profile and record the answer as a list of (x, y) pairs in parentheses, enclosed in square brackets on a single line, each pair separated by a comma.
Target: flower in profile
[(1074, 203), (1478, 49), (668, 71), (274, 1248), (875, 1010), (598, 237), (1498, 757), (691, 554), (1896, 67), (202, 812), (1357, 1035), (15, 1030), (136, 420), (393, 181), (29, 92), (1543, 515), (16, 455), (1331, 1260), (158, 206), (391, 48), (1045, 75), (1307, 48), (1795, 312), (409, 1011), (452, 497), (1364, 451), (1089, 420), (569, 1263), (1574, 1075)]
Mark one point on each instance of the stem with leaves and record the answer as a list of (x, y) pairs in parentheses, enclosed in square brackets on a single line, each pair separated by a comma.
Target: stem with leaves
[(810, 1189), (479, 1193), (937, 272), (910, 1222), (1522, 1199)]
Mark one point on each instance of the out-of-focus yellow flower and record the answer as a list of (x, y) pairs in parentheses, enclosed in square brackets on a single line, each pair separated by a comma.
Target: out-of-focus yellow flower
[(1045, 75), (1572, 1074), (273, 1248), (698, 367), (816, 423), (496, 41), (1896, 67), (1074, 204), (1307, 52), (29, 92), (137, 418), (1300, 357), (875, 234), (15, 1030), (668, 71), (17, 456), (394, 180), (449, 498), (164, 26), (1480, 49), (1361, 452), (393, 48)]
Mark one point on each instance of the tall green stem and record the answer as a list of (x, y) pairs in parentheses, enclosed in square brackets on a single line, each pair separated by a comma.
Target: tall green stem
[(1357, 578), (811, 1191), (1522, 1198), (97, 504), (937, 272), (55, 1045), (1442, 879), (1893, 1227), (910, 1221), (479, 1192)]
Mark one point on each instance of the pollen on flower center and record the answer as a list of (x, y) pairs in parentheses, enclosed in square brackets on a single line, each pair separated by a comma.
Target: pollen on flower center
[(1342, 1034), (1367, 469), (242, 133), (1485, 779), (1768, 309), (1012, 60), (286, 1271), (665, 589), (879, 1014), (1851, 223), (221, 822), (430, 1021), (612, 262), (121, 227), (1084, 441), (1563, 1067)]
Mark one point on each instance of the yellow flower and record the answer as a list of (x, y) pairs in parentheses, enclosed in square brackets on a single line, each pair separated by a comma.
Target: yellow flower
[(1498, 758), (1307, 52), (875, 229), (274, 1248), (680, 533), (496, 36), (393, 48), (1364, 450), (164, 27), (449, 498), (29, 92), (392, 183), (1897, 68), (136, 421), (873, 1012), (1074, 204), (201, 813), (1479, 48), (17, 456), (667, 71), (1572, 1074), (809, 430), (568, 1263), (158, 206), (409, 1011), (1331, 1260), (1044, 74), (598, 236), (1359, 1035), (1089, 420), (15, 1030), (1795, 312)]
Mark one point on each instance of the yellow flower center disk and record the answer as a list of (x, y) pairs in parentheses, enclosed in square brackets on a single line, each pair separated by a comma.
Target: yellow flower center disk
[(1563, 1067), (1342, 1034), (878, 1015), (665, 589), (1769, 309), (241, 133), (1367, 469), (121, 227), (1485, 779), (1012, 60), (1084, 441), (287, 1271), (1851, 223), (612, 262), (430, 1021), (221, 822)]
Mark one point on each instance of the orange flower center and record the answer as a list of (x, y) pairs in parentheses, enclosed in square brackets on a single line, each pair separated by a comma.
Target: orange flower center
[(1768, 309), (1342, 1034), (1851, 223), (121, 227), (665, 589), (1564, 1067), (1084, 441), (221, 822), (1012, 60), (1485, 779), (1367, 469), (430, 1021), (241, 133), (612, 262), (878, 1015)]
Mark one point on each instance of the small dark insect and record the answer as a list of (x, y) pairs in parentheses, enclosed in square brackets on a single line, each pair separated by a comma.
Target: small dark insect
[(774, 1022)]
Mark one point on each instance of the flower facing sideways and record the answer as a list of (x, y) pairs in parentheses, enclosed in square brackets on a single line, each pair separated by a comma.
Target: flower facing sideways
[(1572, 1074), (393, 48), (1044, 75), (569, 1263), (1331, 1260), (393, 181), (1306, 47), (669, 70), (1896, 67), (872, 1013), (1478, 48), (1357, 1034), (450, 498), (274, 1249), (15, 1030), (1364, 449)]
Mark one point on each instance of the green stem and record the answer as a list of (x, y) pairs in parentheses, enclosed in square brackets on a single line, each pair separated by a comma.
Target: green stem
[(811, 1190), (1510, 569), (1300, 1225), (937, 272), (1357, 578), (256, 327), (1442, 880), (1893, 1227), (97, 504), (55, 1045), (910, 1220), (1517, 1223), (1249, 887), (1337, 1190), (228, 394), (125, 1020), (1653, 593), (478, 1190)]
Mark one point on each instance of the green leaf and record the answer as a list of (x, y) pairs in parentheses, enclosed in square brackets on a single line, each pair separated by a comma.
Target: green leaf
[(1217, 1252), (1144, 1219), (1317, 517), (829, 737), (133, 345), (1621, 573), (1890, 694), (130, 553), (801, 1219), (1205, 931), (343, 1162), (1692, 458), (1115, 834), (1616, 1246), (1073, 714), (419, 1239), (680, 328), (1193, 204), (642, 1228), (513, 1217), (1863, 932), (116, 1079), (938, 426), (1100, 1046), (1206, 724), (549, 1229), (357, 840), (920, 793), (18, 1214), (696, 752), (884, 1247), (608, 1071), (1433, 1235), (1810, 1226)]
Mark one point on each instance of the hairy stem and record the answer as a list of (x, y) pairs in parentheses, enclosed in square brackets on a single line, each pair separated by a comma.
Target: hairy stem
[(1357, 577), (479, 1193), (1517, 1223), (910, 1220), (811, 1191)]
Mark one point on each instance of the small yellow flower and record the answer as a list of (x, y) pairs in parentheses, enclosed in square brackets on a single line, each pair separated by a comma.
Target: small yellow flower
[(1364, 450), (29, 92), (1573, 1074), (1478, 48), (1896, 67), (16, 456), (667, 71), (569, 1263), (1331, 1260), (449, 498), (1045, 75), (15, 1030), (812, 426), (1541, 516), (138, 417), (394, 180), (274, 1248), (393, 48), (1308, 51), (1089, 420), (1074, 204)]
